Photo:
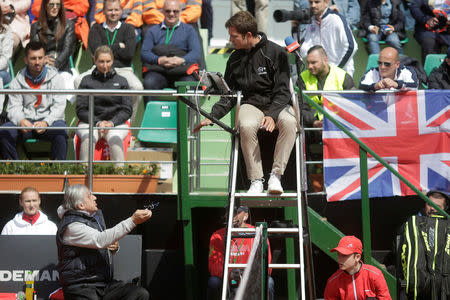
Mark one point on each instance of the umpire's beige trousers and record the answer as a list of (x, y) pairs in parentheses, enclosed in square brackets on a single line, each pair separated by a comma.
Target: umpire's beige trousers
[(250, 119)]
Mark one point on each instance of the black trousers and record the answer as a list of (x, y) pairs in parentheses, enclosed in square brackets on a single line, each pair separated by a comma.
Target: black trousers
[(108, 291)]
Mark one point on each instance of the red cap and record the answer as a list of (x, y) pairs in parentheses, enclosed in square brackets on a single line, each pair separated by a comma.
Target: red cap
[(348, 245)]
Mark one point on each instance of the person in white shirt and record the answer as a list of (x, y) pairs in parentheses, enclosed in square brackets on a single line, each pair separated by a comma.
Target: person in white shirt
[(30, 221), (330, 30), (390, 74)]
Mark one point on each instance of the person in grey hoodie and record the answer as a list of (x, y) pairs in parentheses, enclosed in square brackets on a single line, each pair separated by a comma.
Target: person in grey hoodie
[(38, 111)]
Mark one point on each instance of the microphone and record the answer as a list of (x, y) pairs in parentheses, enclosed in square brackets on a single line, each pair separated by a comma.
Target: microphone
[(292, 46)]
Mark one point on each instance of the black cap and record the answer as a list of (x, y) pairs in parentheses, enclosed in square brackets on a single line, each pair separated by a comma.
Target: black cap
[(439, 192), (242, 209)]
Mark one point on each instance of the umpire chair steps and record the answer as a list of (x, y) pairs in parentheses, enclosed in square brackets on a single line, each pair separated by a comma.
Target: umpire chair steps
[(297, 199)]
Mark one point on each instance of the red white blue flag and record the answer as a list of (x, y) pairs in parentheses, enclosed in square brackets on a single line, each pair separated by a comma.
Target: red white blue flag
[(409, 130)]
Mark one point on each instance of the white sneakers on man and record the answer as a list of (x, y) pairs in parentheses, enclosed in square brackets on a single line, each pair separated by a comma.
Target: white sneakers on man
[(274, 184), (256, 186)]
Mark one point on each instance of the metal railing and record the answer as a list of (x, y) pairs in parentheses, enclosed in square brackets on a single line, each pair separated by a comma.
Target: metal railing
[(92, 93)]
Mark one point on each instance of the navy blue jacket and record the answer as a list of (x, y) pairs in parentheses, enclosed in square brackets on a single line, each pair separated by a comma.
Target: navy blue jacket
[(77, 265)]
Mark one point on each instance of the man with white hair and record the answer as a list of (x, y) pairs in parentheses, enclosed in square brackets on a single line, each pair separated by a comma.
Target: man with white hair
[(85, 249)]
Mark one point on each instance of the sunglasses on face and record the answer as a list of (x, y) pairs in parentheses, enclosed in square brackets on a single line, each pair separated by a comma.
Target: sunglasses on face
[(386, 64), (54, 5), (175, 11)]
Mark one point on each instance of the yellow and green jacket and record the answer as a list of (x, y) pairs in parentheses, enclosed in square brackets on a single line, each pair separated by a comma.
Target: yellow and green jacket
[(334, 82)]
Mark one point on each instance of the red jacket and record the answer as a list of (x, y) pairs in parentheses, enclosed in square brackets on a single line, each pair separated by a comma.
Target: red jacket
[(240, 251), (368, 282)]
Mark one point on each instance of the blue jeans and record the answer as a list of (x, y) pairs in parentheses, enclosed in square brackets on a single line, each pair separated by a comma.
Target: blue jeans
[(158, 81), (431, 42), (350, 10), (391, 39), (58, 138), (410, 22), (215, 288)]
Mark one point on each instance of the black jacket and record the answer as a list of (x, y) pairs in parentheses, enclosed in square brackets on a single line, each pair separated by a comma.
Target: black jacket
[(125, 34), (371, 15), (440, 77), (63, 48), (117, 109), (262, 74), (78, 265)]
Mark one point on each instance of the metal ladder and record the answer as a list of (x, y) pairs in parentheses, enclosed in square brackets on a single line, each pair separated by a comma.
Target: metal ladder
[(299, 195)]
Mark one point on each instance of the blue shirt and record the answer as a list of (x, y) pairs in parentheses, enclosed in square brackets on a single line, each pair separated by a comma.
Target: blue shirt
[(184, 37)]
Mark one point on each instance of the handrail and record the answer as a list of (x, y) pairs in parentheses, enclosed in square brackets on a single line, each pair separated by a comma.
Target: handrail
[(91, 93)]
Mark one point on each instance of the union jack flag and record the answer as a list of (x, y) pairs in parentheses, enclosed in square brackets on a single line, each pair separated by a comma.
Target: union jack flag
[(409, 130)]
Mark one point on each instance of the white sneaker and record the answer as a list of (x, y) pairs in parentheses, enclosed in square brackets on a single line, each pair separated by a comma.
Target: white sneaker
[(256, 186), (274, 184)]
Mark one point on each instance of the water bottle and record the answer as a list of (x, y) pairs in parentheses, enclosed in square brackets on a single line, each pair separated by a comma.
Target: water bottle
[(29, 286)]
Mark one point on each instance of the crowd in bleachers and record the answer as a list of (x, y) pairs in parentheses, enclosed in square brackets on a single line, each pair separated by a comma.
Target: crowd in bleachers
[(63, 26)]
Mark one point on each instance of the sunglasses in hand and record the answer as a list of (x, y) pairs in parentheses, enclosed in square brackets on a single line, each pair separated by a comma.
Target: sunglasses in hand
[(152, 205)]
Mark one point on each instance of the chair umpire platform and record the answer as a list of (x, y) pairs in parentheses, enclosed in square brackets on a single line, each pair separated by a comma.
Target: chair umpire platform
[(297, 198)]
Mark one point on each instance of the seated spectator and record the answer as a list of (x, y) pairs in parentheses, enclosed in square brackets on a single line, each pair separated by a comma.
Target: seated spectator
[(168, 50), (383, 20), (57, 34), (440, 77), (121, 38), (322, 76), (153, 12), (76, 11), (31, 220), (424, 238), (239, 253), (6, 50), (19, 22), (37, 111), (16, 15), (431, 30), (330, 30), (130, 13), (390, 74), (109, 111)]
